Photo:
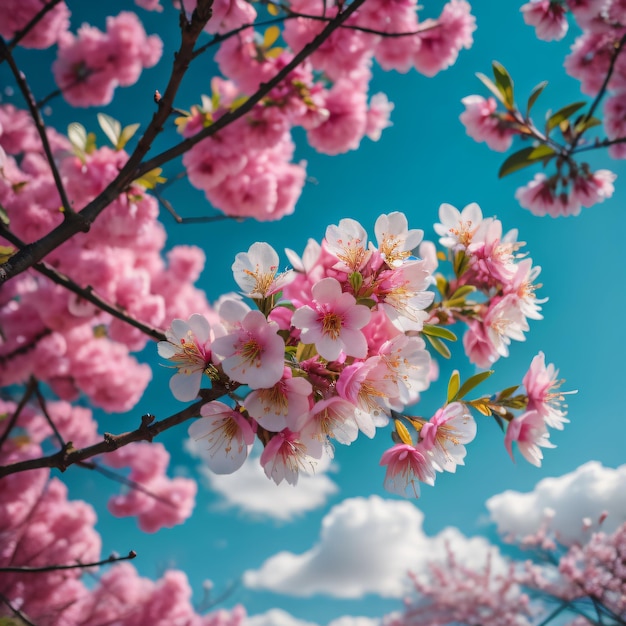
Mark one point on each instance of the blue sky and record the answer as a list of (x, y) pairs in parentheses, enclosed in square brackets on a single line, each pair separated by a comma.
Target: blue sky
[(424, 159)]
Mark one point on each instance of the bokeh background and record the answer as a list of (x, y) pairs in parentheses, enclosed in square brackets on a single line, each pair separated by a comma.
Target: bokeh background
[(424, 159)]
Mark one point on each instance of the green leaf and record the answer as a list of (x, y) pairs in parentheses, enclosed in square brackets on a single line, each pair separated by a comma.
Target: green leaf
[(534, 94), (110, 127), (460, 263), (453, 385), (4, 216), (525, 157), (151, 179), (489, 84), (463, 290), (439, 346), (586, 124), (472, 382), (126, 135), (504, 83), (438, 331), (509, 391), (562, 114), (77, 135)]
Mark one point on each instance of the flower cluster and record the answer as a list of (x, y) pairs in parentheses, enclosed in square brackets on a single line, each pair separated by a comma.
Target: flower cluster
[(246, 170), (338, 345), (69, 343), (597, 60)]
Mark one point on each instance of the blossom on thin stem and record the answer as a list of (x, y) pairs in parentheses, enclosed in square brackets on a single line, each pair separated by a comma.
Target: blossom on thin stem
[(407, 466), (530, 432), (335, 322), (255, 271), (227, 433), (188, 346), (445, 433)]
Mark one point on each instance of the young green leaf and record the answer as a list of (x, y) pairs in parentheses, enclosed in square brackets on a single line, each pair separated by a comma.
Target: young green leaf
[(504, 83), (525, 157), (439, 346), (562, 114), (126, 135), (438, 331), (77, 135), (489, 84), (110, 127), (534, 94), (453, 385), (472, 382)]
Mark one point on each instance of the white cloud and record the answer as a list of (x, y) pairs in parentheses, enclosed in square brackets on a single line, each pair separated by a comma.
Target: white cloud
[(365, 546), (586, 492), (349, 620), (251, 491), (275, 617)]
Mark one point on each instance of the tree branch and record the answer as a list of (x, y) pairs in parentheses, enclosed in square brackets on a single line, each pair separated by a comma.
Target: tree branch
[(28, 392), (146, 432), (134, 168), (68, 212), (54, 568), (20, 34)]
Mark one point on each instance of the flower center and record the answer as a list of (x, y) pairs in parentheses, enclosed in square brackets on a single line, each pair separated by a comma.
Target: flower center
[(331, 325)]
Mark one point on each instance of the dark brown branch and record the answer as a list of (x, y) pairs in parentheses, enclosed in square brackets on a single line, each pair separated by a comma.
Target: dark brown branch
[(86, 293), (55, 568), (28, 392), (68, 212), (134, 168), (20, 34), (44, 409), (167, 205), (146, 432)]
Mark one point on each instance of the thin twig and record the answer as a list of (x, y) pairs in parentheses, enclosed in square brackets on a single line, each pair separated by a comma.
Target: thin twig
[(20, 34), (20, 616), (28, 392), (68, 212), (167, 205), (44, 409), (54, 568)]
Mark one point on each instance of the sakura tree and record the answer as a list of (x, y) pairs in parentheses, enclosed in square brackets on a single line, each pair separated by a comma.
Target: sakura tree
[(341, 345)]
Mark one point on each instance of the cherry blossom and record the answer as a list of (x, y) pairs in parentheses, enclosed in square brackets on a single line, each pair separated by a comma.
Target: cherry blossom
[(457, 228), (227, 433), (256, 271), (445, 433), (252, 353), (333, 323), (548, 18), (530, 432), (188, 346), (286, 454), (407, 466), (395, 240)]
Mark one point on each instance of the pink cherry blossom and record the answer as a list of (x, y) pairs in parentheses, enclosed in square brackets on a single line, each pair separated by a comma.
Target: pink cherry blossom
[(334, 323), (593, 188), (286, 454), (378, 115), (252, 353), (227, 433), (395, 240), (482, 125), (17, 13), (548, 17), (286, 404), (348, 242), (542, 386), (92, 64), (333, 417), (188, 346), (407, 466), (457, 228), (530, 432), (445, 434), (256, 271)]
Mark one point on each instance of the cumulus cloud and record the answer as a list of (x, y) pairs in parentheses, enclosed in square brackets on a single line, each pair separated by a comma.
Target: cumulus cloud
[(252, 492), (278, 617), (275, 617), (366, 545), (584, 493)]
